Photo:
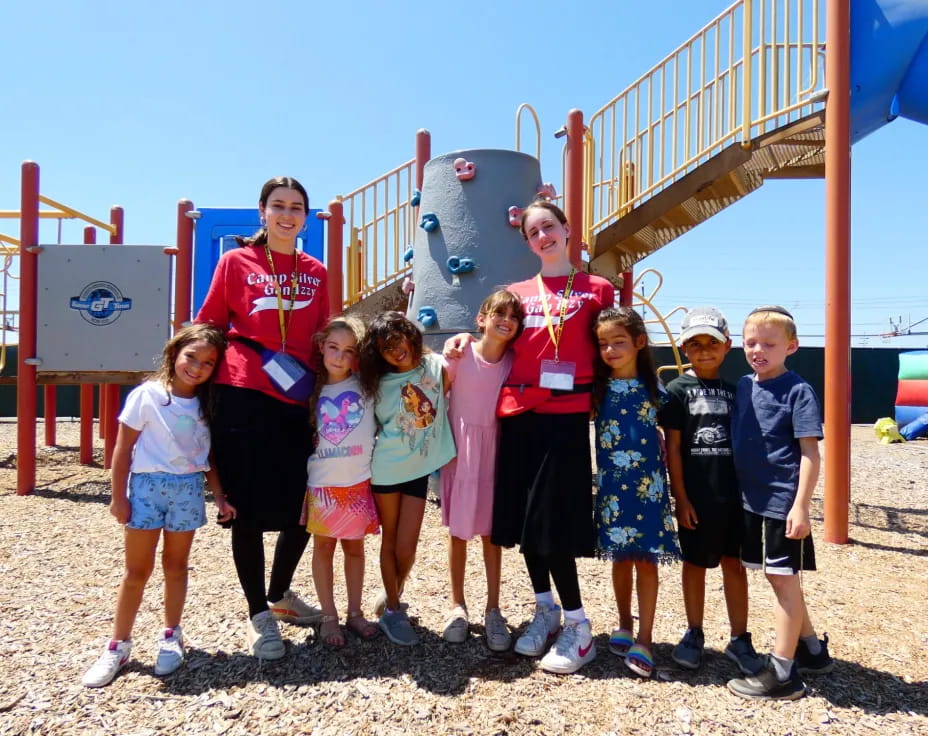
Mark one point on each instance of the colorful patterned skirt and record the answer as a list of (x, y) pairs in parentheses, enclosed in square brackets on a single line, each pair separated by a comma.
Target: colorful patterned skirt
[(341, 512)]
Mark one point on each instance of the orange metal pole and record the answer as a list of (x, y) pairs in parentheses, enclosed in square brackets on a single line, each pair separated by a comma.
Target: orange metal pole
[(183, 265), (334, 255), (574, 181), (26, 398), (117, 219), (837, 273), (86, 451), (628, 277), (51, 414)]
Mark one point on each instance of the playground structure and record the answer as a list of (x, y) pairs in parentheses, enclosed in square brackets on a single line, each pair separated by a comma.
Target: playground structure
[(741, 101)]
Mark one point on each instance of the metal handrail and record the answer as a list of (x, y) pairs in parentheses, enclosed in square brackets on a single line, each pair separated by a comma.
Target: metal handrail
[(737, 78), (381, 225), (526, 106)]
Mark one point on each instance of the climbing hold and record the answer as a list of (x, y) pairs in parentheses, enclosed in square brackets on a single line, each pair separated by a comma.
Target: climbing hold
[(515, 216), (460, 265), (464, 169), (428, 316), (407, 255), (416, 198), (429, 222), (547, 191), (409, 286)]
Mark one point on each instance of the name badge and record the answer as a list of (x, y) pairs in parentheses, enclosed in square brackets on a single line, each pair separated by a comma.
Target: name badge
[(283, 371), (557, 374)]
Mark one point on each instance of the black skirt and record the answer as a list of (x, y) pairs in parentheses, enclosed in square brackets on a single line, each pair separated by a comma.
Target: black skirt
[(543, 497), (260, 447)]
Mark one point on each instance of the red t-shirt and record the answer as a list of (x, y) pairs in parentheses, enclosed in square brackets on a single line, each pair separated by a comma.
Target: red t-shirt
[(242, 296), (588, 296)]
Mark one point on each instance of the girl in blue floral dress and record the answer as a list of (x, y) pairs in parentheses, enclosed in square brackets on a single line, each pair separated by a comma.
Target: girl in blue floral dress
[(634, 522)]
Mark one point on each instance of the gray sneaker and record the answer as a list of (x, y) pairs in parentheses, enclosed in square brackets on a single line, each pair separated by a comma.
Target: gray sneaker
[(498, 637), (456, 626), (264, 636), (688, 653), (395, 624), (741, 652), (545, 626)]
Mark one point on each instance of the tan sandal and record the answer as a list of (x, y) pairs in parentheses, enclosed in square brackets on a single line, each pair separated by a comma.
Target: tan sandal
[(331, 632), (361, 626)]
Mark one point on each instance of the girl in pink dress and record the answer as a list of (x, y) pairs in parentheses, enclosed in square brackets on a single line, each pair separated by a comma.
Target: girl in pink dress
[(467, 482)]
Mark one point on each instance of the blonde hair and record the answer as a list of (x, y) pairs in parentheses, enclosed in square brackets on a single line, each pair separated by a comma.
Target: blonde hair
[(349, 324), (773, 315)]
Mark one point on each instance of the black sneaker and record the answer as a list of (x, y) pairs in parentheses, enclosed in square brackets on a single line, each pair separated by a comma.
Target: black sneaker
[(741, 652), (813, 664), (688, 653), (765, 685)]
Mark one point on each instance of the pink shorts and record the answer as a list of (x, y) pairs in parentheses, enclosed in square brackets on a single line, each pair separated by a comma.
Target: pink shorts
[(341, 512)]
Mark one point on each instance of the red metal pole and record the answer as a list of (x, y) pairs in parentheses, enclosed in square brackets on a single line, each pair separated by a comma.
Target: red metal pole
[(837, 273), (86, 451), (574, 195), (335, 255), (117, 218), (183, 265), (26, 398), (423, 154)]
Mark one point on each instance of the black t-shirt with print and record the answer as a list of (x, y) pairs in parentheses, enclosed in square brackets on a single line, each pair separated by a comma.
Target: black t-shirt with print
[(701, 411)]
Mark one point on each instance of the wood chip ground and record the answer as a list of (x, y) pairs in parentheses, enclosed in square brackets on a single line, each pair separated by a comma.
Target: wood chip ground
[(61, 562)]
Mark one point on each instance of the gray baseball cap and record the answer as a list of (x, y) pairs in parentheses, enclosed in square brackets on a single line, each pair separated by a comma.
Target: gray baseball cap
[(703, 321)]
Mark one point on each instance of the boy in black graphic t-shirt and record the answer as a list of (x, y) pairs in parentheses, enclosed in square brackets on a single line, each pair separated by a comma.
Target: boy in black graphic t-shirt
[(697, 422)]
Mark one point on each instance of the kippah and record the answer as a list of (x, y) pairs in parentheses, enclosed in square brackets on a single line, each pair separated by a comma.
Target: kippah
[(772, 308)]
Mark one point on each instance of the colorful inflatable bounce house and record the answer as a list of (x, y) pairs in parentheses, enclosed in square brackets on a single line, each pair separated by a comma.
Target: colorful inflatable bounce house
[(912, 394)]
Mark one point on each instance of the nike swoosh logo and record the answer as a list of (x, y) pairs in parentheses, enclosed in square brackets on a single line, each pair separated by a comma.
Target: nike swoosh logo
[(777, 561), (583, 652)]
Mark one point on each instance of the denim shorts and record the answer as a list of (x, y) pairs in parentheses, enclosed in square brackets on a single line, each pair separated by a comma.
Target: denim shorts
[(166, 500)]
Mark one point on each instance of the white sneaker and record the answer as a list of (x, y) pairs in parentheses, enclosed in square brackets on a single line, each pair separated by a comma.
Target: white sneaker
[(293, 609), (264, 636), (170, 651), (539, 634), (113, 659), (498, 637), (573, 649)]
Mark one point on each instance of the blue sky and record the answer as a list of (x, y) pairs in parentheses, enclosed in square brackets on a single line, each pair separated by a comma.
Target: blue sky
[(143, 104)]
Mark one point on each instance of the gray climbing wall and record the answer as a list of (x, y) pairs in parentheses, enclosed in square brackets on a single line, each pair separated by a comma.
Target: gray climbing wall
[(472, 223)]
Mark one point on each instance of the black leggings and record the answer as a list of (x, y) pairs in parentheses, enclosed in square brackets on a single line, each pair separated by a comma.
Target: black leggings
[(248, 554), (563, 570)]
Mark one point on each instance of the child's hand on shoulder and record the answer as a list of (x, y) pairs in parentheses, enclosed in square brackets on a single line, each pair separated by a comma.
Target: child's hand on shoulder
[(798, 525), (226, 510), (120, 509), (454, 346)]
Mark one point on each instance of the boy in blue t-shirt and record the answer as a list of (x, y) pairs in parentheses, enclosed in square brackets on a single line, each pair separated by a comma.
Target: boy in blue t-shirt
[(775, 432), (696, 419)]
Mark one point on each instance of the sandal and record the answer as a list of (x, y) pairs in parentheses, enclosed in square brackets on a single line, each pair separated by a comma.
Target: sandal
[(639, 660), (331, 632), (620, 642), (361, 626)]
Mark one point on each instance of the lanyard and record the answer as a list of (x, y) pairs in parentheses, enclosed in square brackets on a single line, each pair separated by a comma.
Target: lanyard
[(556, 334), (284, 326)]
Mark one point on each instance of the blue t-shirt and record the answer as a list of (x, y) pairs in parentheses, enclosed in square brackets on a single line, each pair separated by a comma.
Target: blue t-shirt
[(770, 417)]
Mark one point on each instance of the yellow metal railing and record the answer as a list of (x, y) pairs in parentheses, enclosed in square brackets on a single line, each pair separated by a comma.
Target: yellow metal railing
[(752, 69), (645, 303), (381, 226)]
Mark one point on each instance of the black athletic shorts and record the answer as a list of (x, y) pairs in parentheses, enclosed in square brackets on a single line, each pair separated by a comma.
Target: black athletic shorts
[(718, 534), (765, 547), (417, 487)]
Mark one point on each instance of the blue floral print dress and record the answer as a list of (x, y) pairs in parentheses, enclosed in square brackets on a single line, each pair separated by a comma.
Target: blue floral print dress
[(633, 515)]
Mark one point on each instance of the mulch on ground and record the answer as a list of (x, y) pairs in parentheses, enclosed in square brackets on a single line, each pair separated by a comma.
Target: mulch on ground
[(61, 562)]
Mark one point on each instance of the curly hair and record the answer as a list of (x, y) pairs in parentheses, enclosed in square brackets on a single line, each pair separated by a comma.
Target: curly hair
[(386, 330), (644, 362)]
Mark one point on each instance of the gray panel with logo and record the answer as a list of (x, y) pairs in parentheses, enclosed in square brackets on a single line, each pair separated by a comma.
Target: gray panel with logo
[(102, 307)]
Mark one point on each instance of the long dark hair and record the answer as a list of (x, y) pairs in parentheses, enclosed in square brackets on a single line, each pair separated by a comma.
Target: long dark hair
[(287, 182), (384, 331), (207, 333), (644, 362)]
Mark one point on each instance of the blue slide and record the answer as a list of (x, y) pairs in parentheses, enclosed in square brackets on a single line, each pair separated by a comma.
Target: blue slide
[(889, 63)]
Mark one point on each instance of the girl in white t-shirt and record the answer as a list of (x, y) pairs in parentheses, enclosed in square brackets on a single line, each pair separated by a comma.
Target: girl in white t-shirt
[(339, 504), (161, 456)]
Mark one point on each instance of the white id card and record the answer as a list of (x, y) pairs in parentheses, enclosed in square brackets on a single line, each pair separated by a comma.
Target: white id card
[(557, 374), (283, 370)]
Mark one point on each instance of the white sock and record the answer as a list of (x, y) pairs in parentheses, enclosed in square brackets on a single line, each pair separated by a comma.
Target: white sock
[(578, 615), (545, 599)]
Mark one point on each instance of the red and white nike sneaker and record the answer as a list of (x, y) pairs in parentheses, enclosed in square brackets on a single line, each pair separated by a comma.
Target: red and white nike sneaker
[(573, 649)]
